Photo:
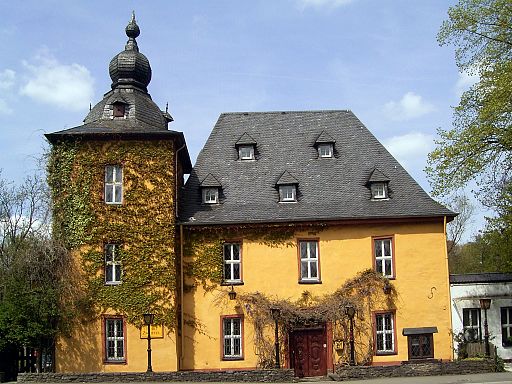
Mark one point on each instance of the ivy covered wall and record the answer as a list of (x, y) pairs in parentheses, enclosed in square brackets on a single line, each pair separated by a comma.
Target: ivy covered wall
[(144, 224)]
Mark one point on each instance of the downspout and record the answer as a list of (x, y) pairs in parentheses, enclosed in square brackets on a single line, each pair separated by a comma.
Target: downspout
[(181, 295), (445, 223)]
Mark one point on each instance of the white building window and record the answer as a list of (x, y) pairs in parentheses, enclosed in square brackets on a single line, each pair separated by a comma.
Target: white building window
[(232, 337), (385, 333), (114, 339), (210, 195), (506, 326), (113, 184), (471, 324), (246, 152), (383, 249), (379, 190), (325, 150), (308, 251), (287, 193), (232, 263), (112, 264)]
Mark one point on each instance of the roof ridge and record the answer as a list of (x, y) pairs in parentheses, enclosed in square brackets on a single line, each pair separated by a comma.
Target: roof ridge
[(287, 111)]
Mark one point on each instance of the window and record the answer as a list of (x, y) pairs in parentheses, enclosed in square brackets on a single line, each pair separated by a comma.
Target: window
[(113, 184), (114, 340), (118, 109), (232, 263), (471, 324), (246, 152), (287, 193), (379, 190), (384, 333), (421, 346), (325, 150), (308, 251), (383, 251), (210, 195), (232, 337), (112, 264), (506, 326)]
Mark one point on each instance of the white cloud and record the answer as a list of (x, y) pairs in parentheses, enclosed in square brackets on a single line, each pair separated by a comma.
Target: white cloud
[(465, 81), (411, 149), (7, 79), (409, 107), (323, 3), (66, 86), (4, 108)]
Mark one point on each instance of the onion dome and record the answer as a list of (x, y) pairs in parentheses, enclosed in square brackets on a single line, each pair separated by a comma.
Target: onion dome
[(130, 67)]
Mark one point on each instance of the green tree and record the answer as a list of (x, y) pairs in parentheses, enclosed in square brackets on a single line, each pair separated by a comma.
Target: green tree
[(479, 145), (32, 269)]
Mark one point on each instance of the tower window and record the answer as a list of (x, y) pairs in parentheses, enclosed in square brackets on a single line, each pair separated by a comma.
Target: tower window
[(119, 109)]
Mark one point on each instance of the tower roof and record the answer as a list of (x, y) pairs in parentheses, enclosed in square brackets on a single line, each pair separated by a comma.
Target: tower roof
[(130, 67)]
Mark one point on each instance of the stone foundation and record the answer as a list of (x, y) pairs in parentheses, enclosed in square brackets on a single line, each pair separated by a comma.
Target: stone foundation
[(257, 375)]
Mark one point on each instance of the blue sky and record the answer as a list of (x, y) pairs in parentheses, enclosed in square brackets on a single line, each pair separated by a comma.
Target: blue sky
[(378, 58)]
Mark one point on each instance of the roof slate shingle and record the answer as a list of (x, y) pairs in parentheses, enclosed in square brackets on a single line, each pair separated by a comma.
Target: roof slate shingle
[(331, 188)]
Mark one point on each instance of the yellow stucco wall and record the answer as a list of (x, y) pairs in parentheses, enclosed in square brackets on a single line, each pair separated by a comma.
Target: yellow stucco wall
[(421, 282), (83, 351)]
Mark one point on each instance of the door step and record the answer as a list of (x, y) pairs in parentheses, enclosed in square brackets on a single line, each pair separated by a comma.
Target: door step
[(314, 379)]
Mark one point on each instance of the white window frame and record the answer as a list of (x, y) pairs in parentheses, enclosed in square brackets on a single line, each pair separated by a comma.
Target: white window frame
[(211, 195), (244, 155), (506, 325), (231, 262), (117, 338), (379, 191), (325, 150), (308, 255), (115, 186), (473, 314), (114, 263), (288, 193), (230, 339), (380, 261), (380, 335)]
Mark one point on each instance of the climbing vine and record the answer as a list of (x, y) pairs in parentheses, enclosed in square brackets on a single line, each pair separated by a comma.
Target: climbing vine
[(143, 225)]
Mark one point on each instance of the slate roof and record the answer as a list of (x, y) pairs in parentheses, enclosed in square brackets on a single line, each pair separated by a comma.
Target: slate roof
[(246, 139), (286, 179), (488, 277), (330, 188), (377, 176), (325, 138)]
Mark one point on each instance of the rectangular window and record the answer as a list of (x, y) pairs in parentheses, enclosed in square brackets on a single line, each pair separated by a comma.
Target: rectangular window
[(325, 150), (308, 253), (383, 252), (112, 264), (471, 324), (421, 346), (385, 333), (379, 190), (114, 340), (210, 195), (246, 152), (232, 263), (232, 337), (287, 193), (506, 326), (113, 184)]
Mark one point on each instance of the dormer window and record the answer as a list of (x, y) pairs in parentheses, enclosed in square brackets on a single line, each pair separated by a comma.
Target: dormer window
[(246, 147), (118, 109), (287, 193), (210, 195), (378, 185), (287, 186), (379, 190), (210, 189), (325, 145), (325, 150), (246, 152)]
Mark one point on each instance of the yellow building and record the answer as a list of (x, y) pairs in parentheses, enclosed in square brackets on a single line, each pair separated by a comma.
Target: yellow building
[(297, 241)]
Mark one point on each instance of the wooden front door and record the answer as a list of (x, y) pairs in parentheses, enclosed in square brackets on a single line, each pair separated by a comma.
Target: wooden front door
[(308, 348)]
